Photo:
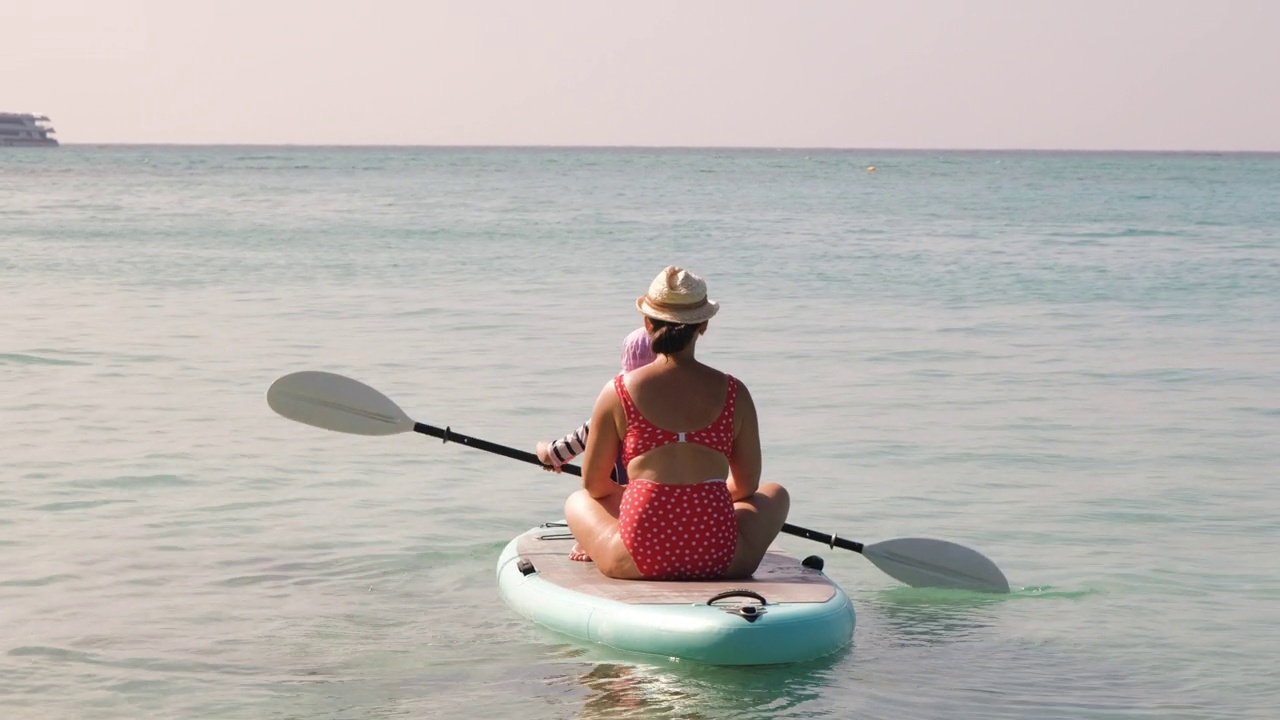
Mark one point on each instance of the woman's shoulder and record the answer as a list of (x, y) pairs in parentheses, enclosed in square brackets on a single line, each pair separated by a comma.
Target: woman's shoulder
[(739, 392), (610, 389), (728, 377)]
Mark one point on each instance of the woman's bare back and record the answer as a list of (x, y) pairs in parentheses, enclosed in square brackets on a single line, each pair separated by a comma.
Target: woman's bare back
[(678, 399)]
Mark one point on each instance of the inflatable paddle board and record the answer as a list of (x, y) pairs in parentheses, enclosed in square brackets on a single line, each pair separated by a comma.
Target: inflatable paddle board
[(788, 611)]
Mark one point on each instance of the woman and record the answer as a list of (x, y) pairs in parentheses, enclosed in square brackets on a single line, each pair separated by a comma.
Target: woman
[(694, 506)]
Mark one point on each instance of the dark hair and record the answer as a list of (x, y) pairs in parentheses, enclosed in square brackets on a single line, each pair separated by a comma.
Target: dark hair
[(669, 337)]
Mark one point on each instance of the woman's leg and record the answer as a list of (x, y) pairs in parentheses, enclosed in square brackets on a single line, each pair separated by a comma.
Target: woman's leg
[(760, 519), (594, 524)]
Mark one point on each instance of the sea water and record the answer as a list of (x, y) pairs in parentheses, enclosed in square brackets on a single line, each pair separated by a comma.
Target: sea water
[(1070, 362)]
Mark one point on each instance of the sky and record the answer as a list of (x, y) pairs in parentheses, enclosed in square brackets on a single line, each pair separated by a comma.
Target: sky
[(962, 74)]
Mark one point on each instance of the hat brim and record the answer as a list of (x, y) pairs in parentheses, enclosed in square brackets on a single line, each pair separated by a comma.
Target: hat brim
[(684, 317)]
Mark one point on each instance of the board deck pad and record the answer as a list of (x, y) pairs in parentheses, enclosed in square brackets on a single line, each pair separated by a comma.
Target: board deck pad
[(780, 577)]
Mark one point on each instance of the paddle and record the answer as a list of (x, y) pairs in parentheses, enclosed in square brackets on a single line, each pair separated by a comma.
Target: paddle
[(334, 402)]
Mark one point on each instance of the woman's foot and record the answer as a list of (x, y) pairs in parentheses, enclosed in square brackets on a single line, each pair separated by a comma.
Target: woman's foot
[(578, 554)]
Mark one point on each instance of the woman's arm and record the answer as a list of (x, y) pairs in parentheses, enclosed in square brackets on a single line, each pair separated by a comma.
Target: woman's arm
[(602, 445), (745, 461)]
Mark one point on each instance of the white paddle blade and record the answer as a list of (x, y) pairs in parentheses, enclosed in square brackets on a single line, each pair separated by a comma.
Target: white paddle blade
[(925, 562), (334, 402)]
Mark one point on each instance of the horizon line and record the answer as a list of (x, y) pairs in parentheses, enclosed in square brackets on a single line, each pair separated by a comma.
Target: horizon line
[(775, 148)]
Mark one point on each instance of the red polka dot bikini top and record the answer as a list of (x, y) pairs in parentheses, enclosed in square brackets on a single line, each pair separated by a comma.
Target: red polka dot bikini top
[(643, 436)]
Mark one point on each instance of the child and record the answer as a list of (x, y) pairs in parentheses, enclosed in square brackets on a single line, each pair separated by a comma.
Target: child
[(635, 354)]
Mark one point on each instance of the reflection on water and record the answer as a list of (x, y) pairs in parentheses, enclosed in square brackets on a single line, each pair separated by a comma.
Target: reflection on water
[(675, 689), (625, 691)]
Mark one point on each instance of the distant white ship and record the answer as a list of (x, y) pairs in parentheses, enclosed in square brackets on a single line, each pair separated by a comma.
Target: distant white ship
[(25, 130)]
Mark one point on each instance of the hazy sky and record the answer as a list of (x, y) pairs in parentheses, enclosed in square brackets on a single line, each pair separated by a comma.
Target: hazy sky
[(1132, 74)]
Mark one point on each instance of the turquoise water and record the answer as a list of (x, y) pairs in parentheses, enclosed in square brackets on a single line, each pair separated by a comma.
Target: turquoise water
[(1066, 361)]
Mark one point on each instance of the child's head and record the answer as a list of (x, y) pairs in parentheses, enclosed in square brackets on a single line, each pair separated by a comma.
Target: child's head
[(635, 350)]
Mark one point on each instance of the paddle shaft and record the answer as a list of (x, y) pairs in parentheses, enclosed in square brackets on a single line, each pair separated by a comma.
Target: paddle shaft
[(447, 435), (828, 540)]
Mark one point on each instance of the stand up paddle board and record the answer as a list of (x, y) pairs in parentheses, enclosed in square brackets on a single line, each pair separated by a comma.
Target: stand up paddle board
[(788, 611)]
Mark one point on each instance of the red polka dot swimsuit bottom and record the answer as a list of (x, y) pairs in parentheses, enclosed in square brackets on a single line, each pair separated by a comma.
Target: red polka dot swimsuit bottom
[(679, 532)]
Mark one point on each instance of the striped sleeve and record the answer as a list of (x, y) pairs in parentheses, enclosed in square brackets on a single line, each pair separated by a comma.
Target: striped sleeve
[(570, 446)]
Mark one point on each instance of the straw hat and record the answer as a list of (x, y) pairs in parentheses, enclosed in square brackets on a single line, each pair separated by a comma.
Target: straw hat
[(677, 296)]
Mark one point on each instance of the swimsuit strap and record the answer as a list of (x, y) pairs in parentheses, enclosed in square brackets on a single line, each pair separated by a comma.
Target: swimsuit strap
[(641, 435), (628, 405)]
